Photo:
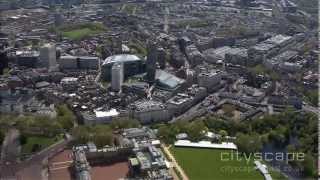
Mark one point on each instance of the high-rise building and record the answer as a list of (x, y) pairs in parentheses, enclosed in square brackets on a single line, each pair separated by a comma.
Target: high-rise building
[(151, 63), (58, 19), (117, 76), (48, 56), (162, 58)]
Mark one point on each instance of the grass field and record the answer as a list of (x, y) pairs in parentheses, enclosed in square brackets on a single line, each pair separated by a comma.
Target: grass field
[(206, 164), (79, 33), (43, 142)]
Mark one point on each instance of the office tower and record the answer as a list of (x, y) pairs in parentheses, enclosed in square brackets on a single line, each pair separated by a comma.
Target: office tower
[(117, 77), (151, 61), (48, 56)]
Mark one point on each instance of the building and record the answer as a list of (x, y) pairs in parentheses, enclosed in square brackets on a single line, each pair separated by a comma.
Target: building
[(151, 62), (117, 77), (288, 6), (194, 56), (216, 55), (274, 62), (162, 58), (68, 62), (138, 146), (177, 58), (88, 62), (58, 19), (78, 62), (268, 48), (205, 144), (209, 79), (237, 56), (132, 65), (81, 165), (167, 81), (290, 67), (28, 59), (148, 111), (99, 116), (181, 102), (48, 56)]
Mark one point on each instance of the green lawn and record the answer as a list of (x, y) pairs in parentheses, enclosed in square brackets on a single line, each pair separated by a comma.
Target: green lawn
[(42, 142), (79, 34), (206, 164)]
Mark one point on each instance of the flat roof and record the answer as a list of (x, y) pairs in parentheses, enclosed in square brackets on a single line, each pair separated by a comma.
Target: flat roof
[(112, 112), (278, 39), (121, 58), (205, 144), (263, 46)]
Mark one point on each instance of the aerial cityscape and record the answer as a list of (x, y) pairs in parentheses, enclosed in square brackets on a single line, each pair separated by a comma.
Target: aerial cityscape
[(159, 89)]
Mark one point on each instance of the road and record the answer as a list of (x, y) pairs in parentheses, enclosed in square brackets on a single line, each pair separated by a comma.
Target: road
[(9, 153), (32, 168), (10, 148)]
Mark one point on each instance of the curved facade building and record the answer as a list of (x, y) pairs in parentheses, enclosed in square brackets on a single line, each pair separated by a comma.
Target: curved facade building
[(132, 65)]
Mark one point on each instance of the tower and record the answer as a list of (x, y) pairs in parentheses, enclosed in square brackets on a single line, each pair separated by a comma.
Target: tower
[(162, 58), (152, 57), (117, 77), (48, 56)]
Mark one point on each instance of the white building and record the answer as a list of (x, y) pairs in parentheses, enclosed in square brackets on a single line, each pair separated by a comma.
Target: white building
[(100, 117), (205, 144), (117, 77)]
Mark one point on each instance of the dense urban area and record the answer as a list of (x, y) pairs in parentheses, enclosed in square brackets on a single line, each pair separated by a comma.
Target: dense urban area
[(159, 89)]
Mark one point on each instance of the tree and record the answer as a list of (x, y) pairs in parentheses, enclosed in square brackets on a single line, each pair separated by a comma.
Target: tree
[(124, 123), (65, 117), (313, 97), (102, 135), (168, 133), (277, 138), (2, 135), (248, 143), (215, 124), (228, 109), (81, 134), (223, 133), (35, 148), (309, 166), (196, 130), (23, 139), (102, 139)]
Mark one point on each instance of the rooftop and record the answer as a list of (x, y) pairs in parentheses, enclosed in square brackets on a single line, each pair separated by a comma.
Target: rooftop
[(168, 80), (121, 58), (112, 112), (205, 144), (148, 105), (278, 39)]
